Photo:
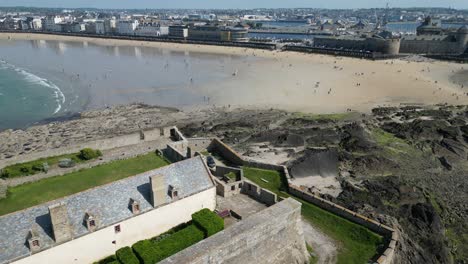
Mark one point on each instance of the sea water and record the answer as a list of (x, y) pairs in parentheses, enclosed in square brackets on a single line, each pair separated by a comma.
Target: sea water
[(42, 79)]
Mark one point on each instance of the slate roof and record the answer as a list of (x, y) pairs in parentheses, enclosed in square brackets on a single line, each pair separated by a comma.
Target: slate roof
[(109, 204)]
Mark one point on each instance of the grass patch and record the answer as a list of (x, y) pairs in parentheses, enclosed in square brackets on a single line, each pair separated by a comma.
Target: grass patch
[(232, 176), (357, 244), (391, 143), (27, 195), (313, 258), (325, 117), (17, 170)]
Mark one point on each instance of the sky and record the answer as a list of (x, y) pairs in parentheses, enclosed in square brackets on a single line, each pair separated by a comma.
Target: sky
[(154, 4)]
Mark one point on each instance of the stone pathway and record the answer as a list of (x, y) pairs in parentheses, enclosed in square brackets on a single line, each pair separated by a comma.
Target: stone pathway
[(108, 155), (323, 246)]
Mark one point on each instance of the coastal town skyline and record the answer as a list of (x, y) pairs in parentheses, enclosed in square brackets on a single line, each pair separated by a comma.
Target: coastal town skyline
[(211, 4)]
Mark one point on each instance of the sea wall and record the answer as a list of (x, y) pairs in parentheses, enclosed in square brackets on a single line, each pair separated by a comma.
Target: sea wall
[(273, 235), (252, 45), (421, 46)]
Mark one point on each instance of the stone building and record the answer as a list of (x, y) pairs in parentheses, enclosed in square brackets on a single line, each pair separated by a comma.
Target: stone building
[(431, 38), (93, 224)]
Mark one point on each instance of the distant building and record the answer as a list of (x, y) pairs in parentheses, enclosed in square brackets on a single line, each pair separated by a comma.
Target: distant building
[(431, 38), (215, 33), (51, 23), (179, 31), (93, 224), (36, 24), (100, 27), (430, 27), (110, 26), (127, 27), (151, 29)]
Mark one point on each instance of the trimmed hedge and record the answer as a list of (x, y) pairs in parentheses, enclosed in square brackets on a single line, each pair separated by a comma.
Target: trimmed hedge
[(150, 253), (109, 260), (208, 221), (126, 256)]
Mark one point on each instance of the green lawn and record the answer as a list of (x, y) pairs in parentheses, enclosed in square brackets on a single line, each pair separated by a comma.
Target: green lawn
[(357, 244), (27, 195)]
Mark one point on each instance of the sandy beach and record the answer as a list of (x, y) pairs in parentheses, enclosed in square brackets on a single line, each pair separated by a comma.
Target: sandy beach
[(311, 82)]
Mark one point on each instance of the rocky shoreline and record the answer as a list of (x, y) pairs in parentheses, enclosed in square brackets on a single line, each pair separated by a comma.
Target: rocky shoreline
[(404, 166)]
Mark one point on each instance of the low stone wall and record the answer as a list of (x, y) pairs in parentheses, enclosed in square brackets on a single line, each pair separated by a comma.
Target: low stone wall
[(173, 154), (388, 233), (102, 144), (258, 193), (253, 190), (199, 144), (273, 235), (227, 152)]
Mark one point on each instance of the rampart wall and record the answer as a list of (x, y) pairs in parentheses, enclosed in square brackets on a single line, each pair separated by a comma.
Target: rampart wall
[(390, 235), (102, 144), (273, 235), (252, 45), (420, 46)]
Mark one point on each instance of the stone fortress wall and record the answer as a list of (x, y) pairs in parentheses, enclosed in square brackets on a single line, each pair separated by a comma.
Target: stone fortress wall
[(102, 144), (384, 46), (391, 236), (273, 235)]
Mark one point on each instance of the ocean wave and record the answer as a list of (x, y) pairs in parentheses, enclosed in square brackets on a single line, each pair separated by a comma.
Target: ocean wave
[(34, 79)]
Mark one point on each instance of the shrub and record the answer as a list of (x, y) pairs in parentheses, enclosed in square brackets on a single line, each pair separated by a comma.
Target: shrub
[(38, 167), (208, 221), (144, 250), (109, 260), (126, 256), (25, 170), (89, 154), (150, 253), (6, 173)]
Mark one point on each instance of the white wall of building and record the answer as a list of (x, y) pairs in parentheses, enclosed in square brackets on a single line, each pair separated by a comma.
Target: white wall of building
[(127, 27), (98, 245)]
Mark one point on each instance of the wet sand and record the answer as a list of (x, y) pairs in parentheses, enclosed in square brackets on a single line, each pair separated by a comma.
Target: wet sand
[(310, 82)]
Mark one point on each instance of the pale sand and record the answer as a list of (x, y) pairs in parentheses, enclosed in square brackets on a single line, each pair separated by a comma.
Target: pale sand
[(288, 80)]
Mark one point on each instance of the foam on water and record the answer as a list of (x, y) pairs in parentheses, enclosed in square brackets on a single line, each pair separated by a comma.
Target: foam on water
[(34, 79)]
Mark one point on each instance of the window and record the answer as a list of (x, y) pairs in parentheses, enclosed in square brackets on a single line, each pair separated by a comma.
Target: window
[(35, 243), (175, 194), (117, 229), (240, 185), (92, 223), (137, 207), (233, 188)]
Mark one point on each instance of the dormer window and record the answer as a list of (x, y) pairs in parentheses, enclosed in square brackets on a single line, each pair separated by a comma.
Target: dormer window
[(91, 222), (134, 206), (173, 192), (33, 241)]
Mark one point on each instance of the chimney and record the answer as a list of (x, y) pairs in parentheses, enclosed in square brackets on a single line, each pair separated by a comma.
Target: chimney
[(60, 224), (158, 190)]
